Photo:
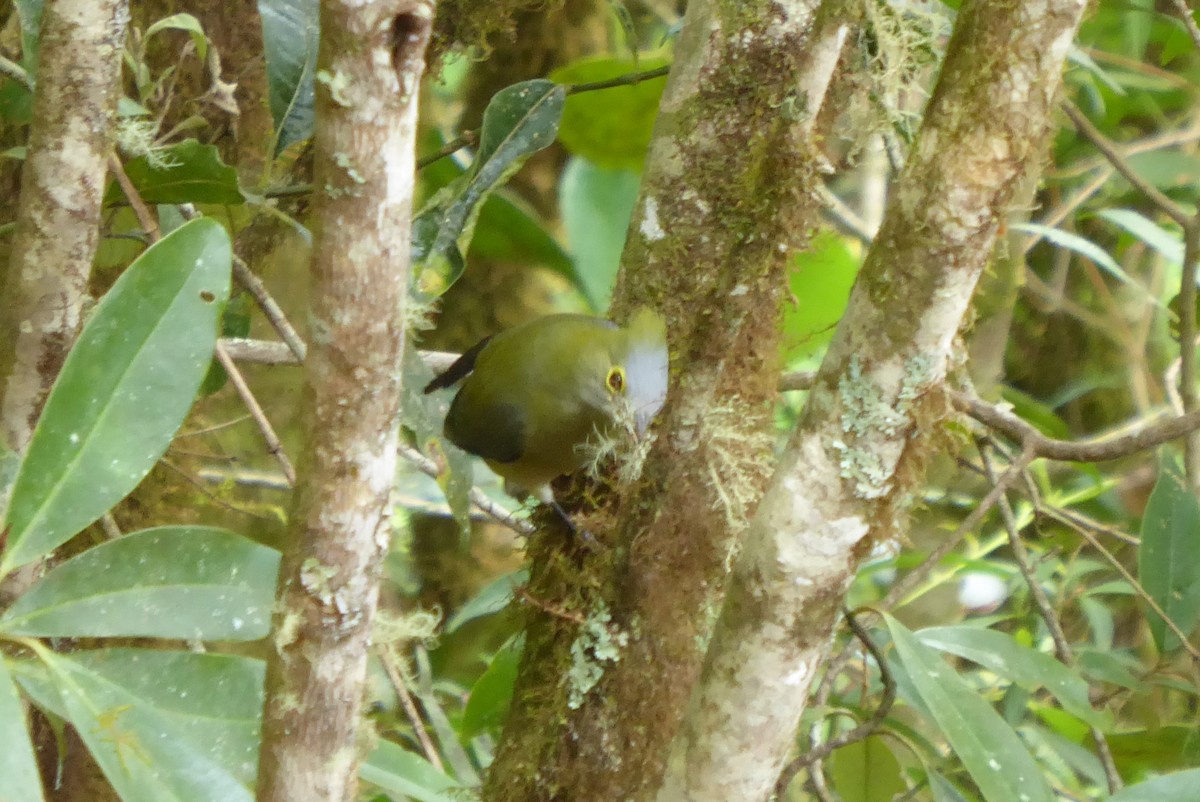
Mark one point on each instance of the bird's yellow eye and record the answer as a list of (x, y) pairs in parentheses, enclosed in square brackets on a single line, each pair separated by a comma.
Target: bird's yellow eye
[(616, 379)]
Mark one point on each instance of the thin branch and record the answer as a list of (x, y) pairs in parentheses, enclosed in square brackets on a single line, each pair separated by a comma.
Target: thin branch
[(623, 80), (15, 71), (274, 446), (271, 309), (845, 217), (1118, 160), (1099, 449), (480, 499), (146, 218), (1189, 21), (389, 659), (859, 732), (469, 138), (1187, 345)]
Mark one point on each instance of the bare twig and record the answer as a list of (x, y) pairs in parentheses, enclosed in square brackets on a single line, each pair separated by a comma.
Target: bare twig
[(146, 218), (1099, 449), (490, 508), (272, 310), (845, 217), (15, 71), (859, 732), (1187, 345), (1118, 160), (1062, 647), (274, 446), (550, 609), (1189, 21), (469, 138), (388, 658)]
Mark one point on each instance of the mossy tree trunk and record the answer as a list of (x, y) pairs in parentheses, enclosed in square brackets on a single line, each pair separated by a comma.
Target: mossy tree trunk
[(726, 202), (851, 467)]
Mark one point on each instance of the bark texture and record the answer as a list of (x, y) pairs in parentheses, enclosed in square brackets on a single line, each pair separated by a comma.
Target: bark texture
[(724, 205), (62, 184), (850, 467), (370, 64)]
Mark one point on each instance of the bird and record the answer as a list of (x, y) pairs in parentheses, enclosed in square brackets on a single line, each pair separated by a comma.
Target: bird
[(533, 397)]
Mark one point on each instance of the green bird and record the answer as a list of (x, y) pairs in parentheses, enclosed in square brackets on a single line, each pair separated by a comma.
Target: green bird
[(534, 396)]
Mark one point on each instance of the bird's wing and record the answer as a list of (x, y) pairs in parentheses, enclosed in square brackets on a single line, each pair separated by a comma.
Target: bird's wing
[(459, 369)]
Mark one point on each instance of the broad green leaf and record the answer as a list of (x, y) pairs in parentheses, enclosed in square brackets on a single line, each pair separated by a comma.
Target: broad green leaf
[(820, 282), (212, 701), (1167, 168), (508, 229), (1167, 243), (520, 120), (1182, 786), (866, 771), (138, 747), (183, 22), (19, 778), (493, 598), (123, 391), (611, 128), (401, 772), (989, 748), (192, 582), (596, 205), (1002, 654), (290, 34), (194, 173), (1169, 557), (492, 693)]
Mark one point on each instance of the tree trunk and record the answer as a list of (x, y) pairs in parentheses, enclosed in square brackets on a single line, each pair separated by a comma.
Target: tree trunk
[(857, 456), (724, 205), (372, 58), (45, 287)]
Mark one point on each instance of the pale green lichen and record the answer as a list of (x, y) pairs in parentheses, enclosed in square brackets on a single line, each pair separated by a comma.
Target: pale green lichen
[(337, 83), (865, 412), (136, 137), (599, 642)]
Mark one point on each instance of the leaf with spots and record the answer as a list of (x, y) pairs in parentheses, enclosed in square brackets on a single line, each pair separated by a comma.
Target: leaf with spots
[(987, 745), (190, 582), (123, 391)]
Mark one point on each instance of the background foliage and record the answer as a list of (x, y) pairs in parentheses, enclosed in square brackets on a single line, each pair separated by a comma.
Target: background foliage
[(1032, 652)]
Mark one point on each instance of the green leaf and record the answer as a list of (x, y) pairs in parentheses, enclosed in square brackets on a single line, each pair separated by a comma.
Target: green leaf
[(1002, 654), (194, 174), (611, 127), (211, 701), (866, 771), (1183, 786), (1084, 247), (1167, 243), (492, 693), (19, 777), (123, 391), (596, 206), (1169, 557), (988, 747), (493, 598), (290, 32), (400, 772), (520, 120), (1144, 752), (143, 755), (183, 22), (820, 282), (167, 582), (30, 14)]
